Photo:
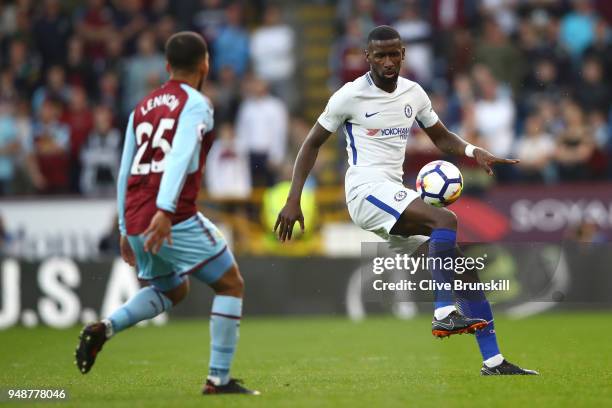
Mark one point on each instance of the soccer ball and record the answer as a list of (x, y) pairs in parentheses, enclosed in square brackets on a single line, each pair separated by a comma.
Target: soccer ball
[(439, 183)]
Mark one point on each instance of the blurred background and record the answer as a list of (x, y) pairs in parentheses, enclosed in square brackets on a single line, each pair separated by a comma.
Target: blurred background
[(523, 78)]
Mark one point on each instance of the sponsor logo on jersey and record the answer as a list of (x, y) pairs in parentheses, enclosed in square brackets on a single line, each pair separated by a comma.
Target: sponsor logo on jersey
[(400, 195), (371, 114), (408, 110), (402, 132)]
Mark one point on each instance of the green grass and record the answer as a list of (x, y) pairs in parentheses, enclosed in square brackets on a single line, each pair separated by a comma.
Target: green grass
[(324, 362)]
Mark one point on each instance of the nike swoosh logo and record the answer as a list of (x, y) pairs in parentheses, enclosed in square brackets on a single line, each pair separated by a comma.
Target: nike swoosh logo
[(450, 326), (371, 114)]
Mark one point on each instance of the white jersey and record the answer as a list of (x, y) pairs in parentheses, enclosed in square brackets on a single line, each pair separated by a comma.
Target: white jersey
[(376, 125)]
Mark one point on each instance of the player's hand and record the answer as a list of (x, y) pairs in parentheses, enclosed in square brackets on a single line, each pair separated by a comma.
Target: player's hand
[(159, 230), (287, 217), (486, 159), (126, 251)]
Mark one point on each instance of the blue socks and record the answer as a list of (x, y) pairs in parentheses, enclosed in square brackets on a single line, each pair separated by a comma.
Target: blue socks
[(471, 303), (146, 304), (476, 305), (441, 245), (224, 323)]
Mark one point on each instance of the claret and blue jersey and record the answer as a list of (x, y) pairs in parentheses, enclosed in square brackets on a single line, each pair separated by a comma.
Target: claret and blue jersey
[(166, 143)]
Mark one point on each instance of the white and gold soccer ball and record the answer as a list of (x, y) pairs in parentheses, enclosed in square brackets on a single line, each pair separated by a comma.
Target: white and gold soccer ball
[(439, 183)]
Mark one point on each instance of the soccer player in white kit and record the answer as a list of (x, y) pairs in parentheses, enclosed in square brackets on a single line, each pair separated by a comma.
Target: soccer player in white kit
[(375, 113)]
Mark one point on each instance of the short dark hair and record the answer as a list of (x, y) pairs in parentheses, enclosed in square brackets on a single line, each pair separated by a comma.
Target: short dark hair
[(382, 33), (185, 50)]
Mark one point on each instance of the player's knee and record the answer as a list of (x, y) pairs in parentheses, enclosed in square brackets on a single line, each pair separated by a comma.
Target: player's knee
[(236, 284), (179, 293), (239, 285), (230, 284), (446, 219)]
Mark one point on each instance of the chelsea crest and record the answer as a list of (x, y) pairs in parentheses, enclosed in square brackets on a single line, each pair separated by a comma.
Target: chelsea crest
[(408, 111)]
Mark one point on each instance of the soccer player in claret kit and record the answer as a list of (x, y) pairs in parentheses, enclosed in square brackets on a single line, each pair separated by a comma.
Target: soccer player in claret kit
[(375, 113), (162, 233)]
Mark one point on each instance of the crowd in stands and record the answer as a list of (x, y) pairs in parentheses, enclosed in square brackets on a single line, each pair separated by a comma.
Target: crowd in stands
[(71, 72), (523, 78)]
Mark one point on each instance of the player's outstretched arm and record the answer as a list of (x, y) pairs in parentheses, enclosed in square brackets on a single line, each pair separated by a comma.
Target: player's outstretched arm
[(304, 162), (450, 143)]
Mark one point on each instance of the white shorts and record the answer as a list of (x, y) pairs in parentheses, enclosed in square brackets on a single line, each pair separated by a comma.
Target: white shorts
[(376, 207)]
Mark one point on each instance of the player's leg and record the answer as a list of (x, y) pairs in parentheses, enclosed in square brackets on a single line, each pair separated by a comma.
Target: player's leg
[(440, 224), (223, 276), (164, 291), (474, 304), (160, 296)]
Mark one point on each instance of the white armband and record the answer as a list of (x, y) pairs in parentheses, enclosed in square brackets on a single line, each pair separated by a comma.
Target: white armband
[(469, 150)]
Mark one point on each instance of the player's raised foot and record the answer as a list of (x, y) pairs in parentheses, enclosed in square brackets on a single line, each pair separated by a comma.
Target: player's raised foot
[(91, 340), (456, 323), (506, 368), (234, 386)]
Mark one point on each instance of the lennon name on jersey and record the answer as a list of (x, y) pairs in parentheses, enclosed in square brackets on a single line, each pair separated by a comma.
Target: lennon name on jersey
[(169, 100)]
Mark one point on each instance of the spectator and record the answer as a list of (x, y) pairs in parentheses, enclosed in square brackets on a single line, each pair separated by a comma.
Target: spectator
[(9, 147), (100, 156), (575, 148), (578, 28), (94, 23), (49, 150), (210, 19), (366, 13), (416, 33), (24, 67), (23, 123), (272, 50), (496, 52), (8, 91), (601, 130), (227, 167), (536, 150), (347, 60), (231, 46), (502, 12), (226, 96), (129, 20), (51, 31), (79, 70), (494, 116), (592, 91), (165, 27), (601, 48), (543, 81), (109, 93), (261, 127), (144, 71), (115, 60), (575, 144), (54, 88), (8, 19), (79, 119)]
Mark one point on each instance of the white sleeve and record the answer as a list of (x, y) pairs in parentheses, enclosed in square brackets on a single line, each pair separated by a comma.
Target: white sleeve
[(335, 112), (425, 116)]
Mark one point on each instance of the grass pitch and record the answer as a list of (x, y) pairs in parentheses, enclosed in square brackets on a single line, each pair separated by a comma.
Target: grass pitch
[(323, 362)]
